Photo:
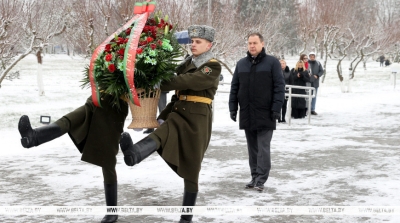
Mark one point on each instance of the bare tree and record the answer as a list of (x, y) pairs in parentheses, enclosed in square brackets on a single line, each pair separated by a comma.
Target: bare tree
[(346, 42), (9, 30), (330, 33), (363, 48)]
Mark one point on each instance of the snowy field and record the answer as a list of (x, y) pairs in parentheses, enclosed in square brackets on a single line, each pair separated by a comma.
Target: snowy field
[(348, 156)]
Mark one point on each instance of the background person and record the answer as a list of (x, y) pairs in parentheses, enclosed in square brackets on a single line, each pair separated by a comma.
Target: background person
[(304, 58), (316, 72), (381, 60), (299, 77), (259, 89), (286, 76)]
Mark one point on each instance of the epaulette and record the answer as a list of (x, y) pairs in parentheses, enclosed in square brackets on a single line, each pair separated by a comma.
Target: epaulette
[(213, 60)]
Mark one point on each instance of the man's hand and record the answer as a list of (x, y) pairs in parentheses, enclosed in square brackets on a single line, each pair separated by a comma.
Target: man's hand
[(275, 115), (316, 77), (233, 115), (174, 98)]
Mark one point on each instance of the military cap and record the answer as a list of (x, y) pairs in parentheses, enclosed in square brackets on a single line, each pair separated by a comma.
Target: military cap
[(202, 31)]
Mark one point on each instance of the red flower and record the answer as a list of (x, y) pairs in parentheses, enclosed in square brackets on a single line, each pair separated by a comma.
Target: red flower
[(149, 39), (121, 57), (121, 51), (146, 29), (170, 27), (128, 31), (108, 57), (153, 46), (120, 40), (139, 50), (111, 68), (159, 42), (108, 48), (126, 40)]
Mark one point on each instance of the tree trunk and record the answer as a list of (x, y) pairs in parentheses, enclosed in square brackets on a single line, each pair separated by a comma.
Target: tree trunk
[(39, 73)]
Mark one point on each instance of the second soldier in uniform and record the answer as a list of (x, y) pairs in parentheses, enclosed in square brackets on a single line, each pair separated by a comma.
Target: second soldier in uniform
[(183, 138)]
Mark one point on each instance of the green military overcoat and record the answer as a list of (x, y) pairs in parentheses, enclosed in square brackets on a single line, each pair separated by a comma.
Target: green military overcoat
[(96, 131), (186, 132)]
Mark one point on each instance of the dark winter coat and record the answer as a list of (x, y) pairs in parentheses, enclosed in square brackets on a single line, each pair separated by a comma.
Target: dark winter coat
[(96, 131), (315, 68), (186, 132), (286, 75), (258, 88), (297, 102)]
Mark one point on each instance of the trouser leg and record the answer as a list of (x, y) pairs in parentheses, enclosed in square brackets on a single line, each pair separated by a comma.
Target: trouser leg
[(264, 155), (162, 103), (252, 148), (314, 100), (284, 110)]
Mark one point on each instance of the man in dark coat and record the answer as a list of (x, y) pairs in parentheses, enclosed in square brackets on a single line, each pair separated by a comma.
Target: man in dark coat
[(183, 137), (316, 72), (95, 132), (259, 89)]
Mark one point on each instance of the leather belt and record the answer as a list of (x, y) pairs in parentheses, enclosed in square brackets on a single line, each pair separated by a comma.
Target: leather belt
[(195, 99)]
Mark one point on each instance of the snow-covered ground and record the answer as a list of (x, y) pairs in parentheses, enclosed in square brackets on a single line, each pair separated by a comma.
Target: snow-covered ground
[(348, 156)]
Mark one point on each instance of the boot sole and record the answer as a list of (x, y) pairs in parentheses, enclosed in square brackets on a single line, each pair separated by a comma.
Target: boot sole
[(259, 189)]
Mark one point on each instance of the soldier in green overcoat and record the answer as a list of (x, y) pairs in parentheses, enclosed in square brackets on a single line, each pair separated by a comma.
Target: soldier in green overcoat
[(95, 131), (183, 137)]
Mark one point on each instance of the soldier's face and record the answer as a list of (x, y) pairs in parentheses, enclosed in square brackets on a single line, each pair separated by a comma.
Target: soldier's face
[(254, 45), (200, 46)]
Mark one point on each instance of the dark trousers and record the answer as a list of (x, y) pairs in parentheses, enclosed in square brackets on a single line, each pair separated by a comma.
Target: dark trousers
[(162, 103), (258, 145), (284, 108)]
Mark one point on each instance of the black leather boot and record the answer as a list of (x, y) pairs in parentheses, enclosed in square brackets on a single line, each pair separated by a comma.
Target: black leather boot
[(189, 199), (135, 153), (34, 137), (252, 183), (111, 193)]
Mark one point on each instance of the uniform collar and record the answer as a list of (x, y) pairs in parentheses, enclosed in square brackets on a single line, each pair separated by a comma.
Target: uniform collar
[(202, 59)]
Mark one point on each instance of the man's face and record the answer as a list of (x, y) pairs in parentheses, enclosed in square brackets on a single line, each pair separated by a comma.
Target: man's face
[(283, 64), (254, 45), (312, 57), (200, 46)]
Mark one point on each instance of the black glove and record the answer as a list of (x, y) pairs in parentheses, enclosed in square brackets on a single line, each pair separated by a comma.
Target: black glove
[(174, 98), (275, 115), (233, 115)]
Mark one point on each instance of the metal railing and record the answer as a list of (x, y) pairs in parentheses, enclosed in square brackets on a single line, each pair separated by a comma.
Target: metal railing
[(394, 73), (310, 94)]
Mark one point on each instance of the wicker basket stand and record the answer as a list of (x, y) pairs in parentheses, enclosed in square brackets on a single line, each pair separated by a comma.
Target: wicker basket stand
[(145, 115)]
